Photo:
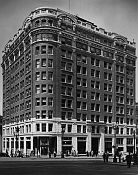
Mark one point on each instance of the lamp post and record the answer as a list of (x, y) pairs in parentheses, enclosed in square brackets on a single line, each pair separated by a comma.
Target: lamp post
[(16, 134), (134, 135), (62, 136), (115, 127)]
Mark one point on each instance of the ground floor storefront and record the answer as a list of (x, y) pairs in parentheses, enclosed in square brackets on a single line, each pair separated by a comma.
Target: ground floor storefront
[(68, 144)]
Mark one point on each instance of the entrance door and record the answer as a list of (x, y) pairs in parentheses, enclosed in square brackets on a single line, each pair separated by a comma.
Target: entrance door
[(95, 145), (81, 147), (44, 150)]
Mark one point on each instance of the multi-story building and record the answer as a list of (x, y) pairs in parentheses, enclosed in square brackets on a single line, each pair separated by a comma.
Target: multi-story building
[(0, 133), (68, 85)]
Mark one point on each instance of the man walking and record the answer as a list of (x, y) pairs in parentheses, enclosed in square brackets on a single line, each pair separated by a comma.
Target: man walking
[(129, 159)]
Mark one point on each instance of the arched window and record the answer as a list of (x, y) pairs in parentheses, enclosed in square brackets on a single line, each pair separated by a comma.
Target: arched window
[(43, 22), (37, 23), (50, 22)]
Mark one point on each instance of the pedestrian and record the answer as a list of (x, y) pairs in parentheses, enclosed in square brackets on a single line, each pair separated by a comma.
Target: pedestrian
[(92, 153), (129, 159), (119, 155), (104, 156), (55, 154), (49, 154), (11, 153), (107, 156)]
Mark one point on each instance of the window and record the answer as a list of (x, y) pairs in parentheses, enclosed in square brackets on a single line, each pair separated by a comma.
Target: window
[(50, 114), (92, 95), (50, 127), (50, 75), (43, 88), (44, 114), (69, 128), (69, 115), (37, 114), (69, 79), (84, 70), (92, 72), (37, 89), (84, 94), (84, 117), (37, 63), (97, 74), (43, 127), (78, 104), (97, 63), (84, 82), (84, 59), (69, 67), (43, 62), (37, 101), (50, 101), (97, 85), (63, 78), (69, 104), (84, 129), (84, 105), (50, 50), (79, 81), (69, 91), (50, 63), (78, 116), (37, 50), (43, 75), (37, 127), (50, 88), (43, 102), (43, 49), (37, 76), (98, 107), (78, 128), (63, 103), (63, 115), (79, 69), (69, 54)]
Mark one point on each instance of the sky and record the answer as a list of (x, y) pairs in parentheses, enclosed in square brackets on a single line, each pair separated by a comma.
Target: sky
[(118, 16)]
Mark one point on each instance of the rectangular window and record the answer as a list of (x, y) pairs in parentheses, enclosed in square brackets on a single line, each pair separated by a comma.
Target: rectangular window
[(37, 89), (78, 128), (63, 115), (37, 63), (43, 101), (37, 50), (43, 88), (50, 127), (63, 103), (43, 49), (43, 62), (69, 91), (43, 75), (43, 127), (69, 128), (50, 50), (37, 101), (37, 127), (50, 114), (69, 104), (43, 114), (50, 101), (50, 75), (50, 88), (37, 76), (50, 63)]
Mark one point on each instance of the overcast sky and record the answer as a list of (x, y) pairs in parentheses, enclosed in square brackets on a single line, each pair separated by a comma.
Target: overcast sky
[(119, 16)]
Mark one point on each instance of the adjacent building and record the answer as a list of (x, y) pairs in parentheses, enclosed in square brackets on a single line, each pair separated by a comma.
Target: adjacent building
[(0, 133), (68, 85)]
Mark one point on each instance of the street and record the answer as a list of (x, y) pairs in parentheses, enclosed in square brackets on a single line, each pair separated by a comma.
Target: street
[(63, 167)]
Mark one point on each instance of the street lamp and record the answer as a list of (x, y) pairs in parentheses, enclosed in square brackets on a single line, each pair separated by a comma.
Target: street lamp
[(134, 135), (16, 134), (62, 136), (115, 127)]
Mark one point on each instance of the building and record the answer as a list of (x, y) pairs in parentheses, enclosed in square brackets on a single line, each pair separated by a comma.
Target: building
[(68, 85), (136, 127), (0, 133)]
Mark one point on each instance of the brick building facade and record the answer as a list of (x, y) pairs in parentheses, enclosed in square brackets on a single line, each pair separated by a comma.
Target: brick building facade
[(62, 72)]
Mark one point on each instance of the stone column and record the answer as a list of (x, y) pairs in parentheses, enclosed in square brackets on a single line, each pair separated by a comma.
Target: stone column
[(31, 143), (88, 142), (59, 145), (102, 141), (74, 143), (25, 145)]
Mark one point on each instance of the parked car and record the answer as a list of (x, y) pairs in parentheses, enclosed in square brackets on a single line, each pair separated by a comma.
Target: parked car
[(4, 154)]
